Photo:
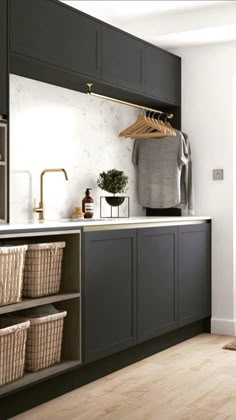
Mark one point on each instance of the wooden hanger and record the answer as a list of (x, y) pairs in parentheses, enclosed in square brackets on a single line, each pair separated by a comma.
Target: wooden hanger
[(164, 125), (144, 136), (146, 127), (165, 128), (170, 128), (133, 127), (157, 123)]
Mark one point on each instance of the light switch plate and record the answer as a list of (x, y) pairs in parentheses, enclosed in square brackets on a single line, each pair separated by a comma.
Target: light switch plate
[(218, 174)]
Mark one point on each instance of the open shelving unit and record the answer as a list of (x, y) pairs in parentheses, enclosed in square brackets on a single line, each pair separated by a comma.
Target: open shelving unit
[(68, 299)]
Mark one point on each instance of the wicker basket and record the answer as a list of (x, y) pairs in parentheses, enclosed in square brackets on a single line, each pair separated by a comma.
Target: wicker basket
[(42, 273), (12, 350), (12, 259), (44, 341)]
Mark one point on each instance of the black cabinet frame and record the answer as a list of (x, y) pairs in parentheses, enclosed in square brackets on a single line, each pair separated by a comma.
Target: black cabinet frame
[(4, 57), (157, 281), (167, 292), (194, 272), (109, 292)]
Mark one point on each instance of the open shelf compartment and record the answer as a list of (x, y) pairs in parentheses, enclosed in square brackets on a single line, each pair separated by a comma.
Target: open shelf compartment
[(68, 299)]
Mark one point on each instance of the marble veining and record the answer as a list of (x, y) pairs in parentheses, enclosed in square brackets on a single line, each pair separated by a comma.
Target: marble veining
[(55, 127)]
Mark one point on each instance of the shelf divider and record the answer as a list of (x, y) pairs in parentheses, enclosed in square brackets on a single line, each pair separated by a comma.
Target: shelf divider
[(30, 303), (30, 378)]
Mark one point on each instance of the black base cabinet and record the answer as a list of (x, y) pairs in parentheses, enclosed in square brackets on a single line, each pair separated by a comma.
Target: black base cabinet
[(194, 285), (172, 284), (143, 290), (109, 292), (157, 278)]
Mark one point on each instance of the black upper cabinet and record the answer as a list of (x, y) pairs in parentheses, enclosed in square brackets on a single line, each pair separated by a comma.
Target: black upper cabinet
[(162, 75), (109, 292), (157, 274), (121, 59), (194, 287), (48, 31), (3, 59), (58, 44)]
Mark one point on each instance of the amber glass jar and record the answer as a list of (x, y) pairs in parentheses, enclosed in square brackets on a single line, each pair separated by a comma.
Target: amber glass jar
[(87, 205)]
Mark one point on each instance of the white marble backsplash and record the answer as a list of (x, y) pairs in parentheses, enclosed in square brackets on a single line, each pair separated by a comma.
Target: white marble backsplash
[(53, 127)]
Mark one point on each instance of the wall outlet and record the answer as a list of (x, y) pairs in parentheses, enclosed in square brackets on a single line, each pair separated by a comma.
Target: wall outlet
[(218, 174)]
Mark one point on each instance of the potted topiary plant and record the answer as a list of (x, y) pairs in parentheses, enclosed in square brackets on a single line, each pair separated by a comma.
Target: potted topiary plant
[(114, 182)]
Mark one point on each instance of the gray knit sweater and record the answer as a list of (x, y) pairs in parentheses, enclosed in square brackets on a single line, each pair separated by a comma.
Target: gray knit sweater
[(162, 182)]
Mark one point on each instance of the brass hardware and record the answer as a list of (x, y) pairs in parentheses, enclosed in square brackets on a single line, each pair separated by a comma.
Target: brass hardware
[(40, 208), (119, 101)]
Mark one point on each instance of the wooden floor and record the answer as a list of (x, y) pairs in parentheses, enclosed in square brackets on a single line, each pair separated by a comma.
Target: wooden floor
[(195, 380)]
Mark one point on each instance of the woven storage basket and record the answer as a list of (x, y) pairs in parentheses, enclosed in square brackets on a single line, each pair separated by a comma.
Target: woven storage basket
[(12, 259), (42, 273), (12, 350), (44, 341)]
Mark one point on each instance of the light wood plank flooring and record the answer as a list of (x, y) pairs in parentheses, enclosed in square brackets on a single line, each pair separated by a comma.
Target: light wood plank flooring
[(195, 380)]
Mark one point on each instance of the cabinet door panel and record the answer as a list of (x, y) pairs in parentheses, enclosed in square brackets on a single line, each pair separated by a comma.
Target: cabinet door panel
[(194, 273), (121, 59), (50, 32), (3, 58), (110, 292), (162, 75), (156, 282)]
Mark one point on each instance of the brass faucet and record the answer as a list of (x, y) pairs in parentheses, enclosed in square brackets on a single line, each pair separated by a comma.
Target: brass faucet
[(40, 208)]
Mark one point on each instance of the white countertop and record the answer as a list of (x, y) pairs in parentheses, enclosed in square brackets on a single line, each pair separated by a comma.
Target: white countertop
[(70, 223)]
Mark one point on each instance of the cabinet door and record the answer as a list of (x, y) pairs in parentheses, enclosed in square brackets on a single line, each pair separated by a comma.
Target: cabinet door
[(56, 34), (162, 75), (110, 292), (121, 59), (194, 273), (157, 312), (3, 58)]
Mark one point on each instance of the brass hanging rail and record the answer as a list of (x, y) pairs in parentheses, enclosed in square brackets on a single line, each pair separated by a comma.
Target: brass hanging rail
[(119, 101)]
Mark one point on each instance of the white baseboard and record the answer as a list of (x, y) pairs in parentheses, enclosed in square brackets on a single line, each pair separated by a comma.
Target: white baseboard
[(223, 326)]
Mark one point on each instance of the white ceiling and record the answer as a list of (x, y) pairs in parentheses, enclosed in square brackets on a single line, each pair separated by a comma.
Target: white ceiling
[(168, 24), (112, 9)]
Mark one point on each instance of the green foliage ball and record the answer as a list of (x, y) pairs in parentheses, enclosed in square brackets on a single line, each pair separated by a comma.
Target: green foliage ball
[(113, 181)]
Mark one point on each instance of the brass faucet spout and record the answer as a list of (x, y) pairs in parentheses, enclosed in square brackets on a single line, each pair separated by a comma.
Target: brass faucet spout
[(40, 209)]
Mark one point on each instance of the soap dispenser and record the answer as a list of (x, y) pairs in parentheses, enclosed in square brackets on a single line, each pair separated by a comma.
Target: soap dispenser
[(87, 204)]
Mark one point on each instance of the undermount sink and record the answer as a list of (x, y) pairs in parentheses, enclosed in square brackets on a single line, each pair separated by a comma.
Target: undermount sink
[(74, 220), (93, 220)]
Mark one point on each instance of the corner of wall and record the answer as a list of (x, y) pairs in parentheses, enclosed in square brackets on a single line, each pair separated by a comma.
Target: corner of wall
[(223, 326)]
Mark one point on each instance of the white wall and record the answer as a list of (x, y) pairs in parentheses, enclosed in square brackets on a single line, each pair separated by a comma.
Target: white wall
[(207, 116), (54, 127)]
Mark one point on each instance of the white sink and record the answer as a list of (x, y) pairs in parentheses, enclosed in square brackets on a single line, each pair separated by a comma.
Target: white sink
[(73, 220)]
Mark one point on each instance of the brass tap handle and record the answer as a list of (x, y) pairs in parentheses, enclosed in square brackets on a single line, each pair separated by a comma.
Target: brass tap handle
[(90, 85), (38, 209)]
